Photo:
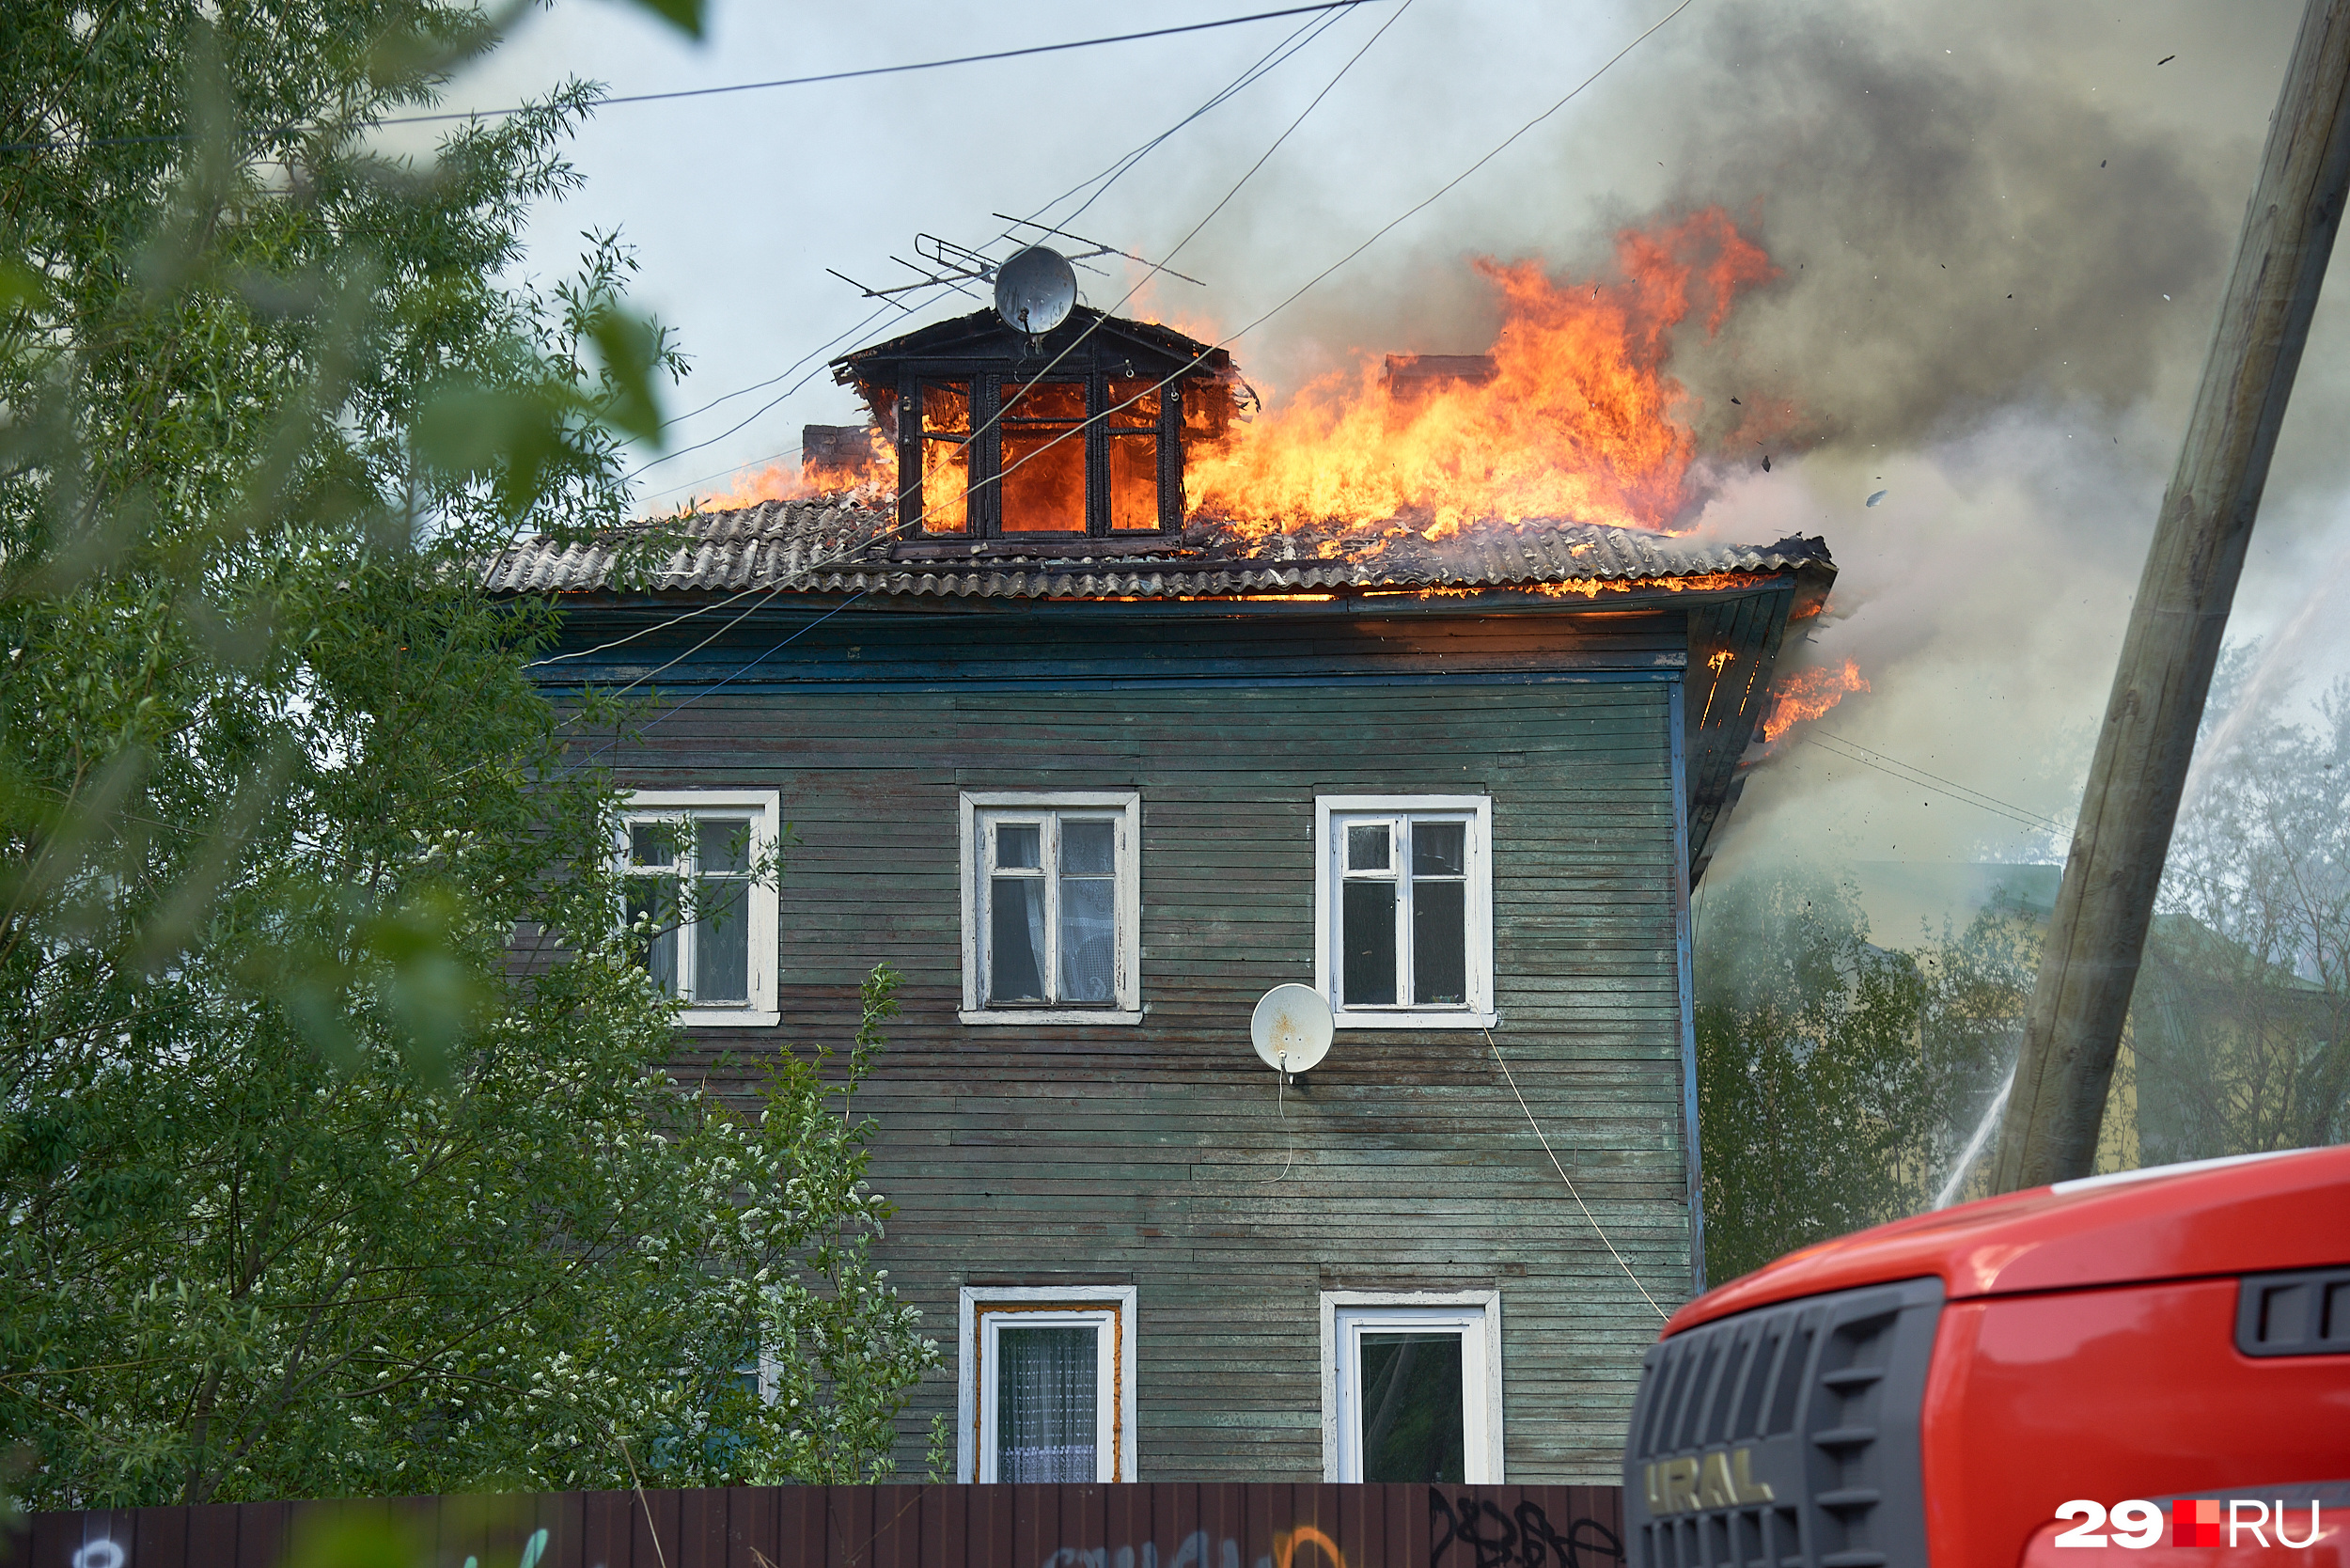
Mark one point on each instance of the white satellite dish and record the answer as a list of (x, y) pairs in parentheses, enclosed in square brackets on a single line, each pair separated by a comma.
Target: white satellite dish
[(1035, 290), (1291, 1027)]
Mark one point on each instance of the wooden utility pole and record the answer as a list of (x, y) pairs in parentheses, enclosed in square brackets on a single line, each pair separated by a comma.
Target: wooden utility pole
[(2099, 930)]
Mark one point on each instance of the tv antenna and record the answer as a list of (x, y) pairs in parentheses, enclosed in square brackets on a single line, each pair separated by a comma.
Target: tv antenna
[(1100, 248), (946, 264)]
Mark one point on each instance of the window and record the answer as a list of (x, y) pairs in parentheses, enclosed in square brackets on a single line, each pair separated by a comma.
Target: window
[(1047, 1384), (698, 871), (1411, 1386), (1043, 439), (1080, 452), (1404, 910), (1052, 908)]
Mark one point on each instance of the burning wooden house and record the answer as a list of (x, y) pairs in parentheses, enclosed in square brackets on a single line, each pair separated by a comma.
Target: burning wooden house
[(1094, 773)]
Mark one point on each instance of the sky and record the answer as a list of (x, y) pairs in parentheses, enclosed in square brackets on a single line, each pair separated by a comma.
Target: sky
[(2001, 232)]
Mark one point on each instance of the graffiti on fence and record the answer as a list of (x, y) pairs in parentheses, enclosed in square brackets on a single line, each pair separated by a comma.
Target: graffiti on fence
[(533, 1550), (1522, 1538), (1199, 1550)]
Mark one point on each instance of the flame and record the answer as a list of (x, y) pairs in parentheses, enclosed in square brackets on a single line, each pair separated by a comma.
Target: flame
[(1578, 421), (1591, 588), (1806, 693), (868, 478)]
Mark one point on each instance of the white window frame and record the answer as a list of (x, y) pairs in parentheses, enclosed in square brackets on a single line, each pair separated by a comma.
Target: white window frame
[(981, 1309), (1347, 1314), (979, 808), (1331, 812), (764, 807)]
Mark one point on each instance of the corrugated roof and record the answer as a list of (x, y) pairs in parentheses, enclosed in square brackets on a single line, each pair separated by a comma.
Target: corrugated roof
[(841, 547)]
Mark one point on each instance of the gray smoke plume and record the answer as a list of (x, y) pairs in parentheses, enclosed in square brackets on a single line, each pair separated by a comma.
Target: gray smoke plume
[(1955, 235)]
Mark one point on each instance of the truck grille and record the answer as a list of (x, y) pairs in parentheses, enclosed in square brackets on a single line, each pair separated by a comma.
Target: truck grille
[(1786, 1438)]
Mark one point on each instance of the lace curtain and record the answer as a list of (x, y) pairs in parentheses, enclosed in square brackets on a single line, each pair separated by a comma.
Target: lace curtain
[(1047, 1381)]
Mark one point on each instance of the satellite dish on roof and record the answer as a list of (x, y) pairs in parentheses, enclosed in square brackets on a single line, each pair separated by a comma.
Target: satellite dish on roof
[(1035, 290), (1291, 1027)]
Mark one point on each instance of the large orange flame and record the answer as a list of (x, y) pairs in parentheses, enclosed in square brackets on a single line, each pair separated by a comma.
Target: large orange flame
[(859, 474), (1806, 693), (1578, 420), (1575, 417)]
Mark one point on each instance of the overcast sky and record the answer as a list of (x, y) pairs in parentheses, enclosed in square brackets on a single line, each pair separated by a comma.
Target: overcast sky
[(1979, 209)]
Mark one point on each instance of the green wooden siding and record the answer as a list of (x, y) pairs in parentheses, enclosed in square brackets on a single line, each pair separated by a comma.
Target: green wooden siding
[(1154, 1154)]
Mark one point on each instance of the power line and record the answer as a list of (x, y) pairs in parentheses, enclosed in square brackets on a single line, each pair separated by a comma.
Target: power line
[(751, 417), (1432, 198), (906, 487), (919, 65), (1953, 783), (1299, 293), (727, 396), (1893, 767), (72, 144), (1102, 180), (1273, 59)]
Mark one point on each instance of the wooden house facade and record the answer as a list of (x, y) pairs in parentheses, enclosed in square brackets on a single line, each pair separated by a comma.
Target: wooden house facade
[(1093, 790)]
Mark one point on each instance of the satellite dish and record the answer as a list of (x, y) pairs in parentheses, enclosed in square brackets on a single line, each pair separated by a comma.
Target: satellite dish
[(1035, 290), (1291, 1027)]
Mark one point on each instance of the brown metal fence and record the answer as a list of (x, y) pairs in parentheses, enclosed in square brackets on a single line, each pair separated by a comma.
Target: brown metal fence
[(1148, 1525)]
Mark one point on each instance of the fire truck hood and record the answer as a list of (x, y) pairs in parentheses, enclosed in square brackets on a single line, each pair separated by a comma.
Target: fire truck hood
[(2243, 1215)]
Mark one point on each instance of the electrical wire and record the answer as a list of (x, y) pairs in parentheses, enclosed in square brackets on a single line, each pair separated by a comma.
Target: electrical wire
[(1281, 1107), (1290, 299), (739, 391), (76, 144), (1430, 199), (1893, 767), (1071, 347), (741, 669), (1272, 60), (917, 65), (753, 418), (1561, 1170), (1101, 181)]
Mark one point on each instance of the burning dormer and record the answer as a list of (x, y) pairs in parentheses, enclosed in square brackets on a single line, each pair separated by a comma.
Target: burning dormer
[(1076, 430)]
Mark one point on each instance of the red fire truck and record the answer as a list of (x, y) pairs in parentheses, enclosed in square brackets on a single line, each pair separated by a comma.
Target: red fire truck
[(2150, 1366)]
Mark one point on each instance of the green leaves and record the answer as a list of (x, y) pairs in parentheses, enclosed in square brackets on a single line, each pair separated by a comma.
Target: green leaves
[(412, 965), (686, 16), (339, 1155), (631, 348), (520, 435), (1835, 1078)]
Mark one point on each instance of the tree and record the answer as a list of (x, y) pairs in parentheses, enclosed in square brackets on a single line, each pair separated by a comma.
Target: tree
[(2242, 1015), (309, 1185), (1838, 1081)]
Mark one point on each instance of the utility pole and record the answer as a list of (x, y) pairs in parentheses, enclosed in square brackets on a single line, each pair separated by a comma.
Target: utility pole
[(2099, 933)]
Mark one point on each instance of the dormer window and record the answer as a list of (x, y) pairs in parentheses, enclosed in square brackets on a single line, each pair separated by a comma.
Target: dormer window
[(1079, 431)]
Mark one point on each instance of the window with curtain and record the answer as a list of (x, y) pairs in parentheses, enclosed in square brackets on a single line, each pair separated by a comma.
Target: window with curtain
[(698, 898), (1048, 1374), (1051, 906), (1047, 1404)]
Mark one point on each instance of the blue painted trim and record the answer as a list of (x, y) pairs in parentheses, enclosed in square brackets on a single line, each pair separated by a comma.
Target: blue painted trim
[(1684, 961), (1133, 683)]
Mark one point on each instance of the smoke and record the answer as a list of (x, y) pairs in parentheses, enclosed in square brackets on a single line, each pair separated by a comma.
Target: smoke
[(1956, 236), (1997, 289), (2001, 233)]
